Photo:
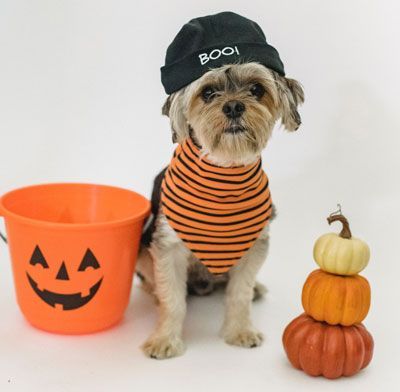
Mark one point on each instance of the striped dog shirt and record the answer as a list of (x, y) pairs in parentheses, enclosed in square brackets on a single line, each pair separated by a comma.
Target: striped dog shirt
[(218, 212)]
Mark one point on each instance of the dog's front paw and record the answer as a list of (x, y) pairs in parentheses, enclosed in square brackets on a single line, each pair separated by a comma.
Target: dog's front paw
[(245, 338), (162, 347)]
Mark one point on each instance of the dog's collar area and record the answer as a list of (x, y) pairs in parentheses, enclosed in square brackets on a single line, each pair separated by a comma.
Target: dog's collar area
[(190, 143)]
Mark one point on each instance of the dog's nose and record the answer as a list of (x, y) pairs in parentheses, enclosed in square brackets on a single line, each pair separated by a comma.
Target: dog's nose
[(233, 109)]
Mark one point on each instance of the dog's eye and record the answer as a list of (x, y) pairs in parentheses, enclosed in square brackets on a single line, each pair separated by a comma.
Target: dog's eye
[(257, 90), (208, 93)]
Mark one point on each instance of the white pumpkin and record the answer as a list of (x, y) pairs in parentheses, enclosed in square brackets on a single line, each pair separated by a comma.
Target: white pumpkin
[(341, 254)]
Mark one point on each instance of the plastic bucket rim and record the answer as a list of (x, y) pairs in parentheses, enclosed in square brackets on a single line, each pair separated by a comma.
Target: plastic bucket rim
[(4, 212)]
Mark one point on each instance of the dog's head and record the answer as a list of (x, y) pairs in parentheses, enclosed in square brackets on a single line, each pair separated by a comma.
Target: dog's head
[(230, 111)]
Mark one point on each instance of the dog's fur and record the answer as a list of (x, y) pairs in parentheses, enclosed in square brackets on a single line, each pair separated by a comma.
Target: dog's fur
[(167, 267)]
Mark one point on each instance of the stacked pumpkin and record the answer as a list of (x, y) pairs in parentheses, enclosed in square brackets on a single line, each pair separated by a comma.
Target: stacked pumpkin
[(329, 339)]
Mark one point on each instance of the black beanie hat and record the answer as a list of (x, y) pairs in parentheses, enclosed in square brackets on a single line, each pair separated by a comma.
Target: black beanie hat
[(212, 41)]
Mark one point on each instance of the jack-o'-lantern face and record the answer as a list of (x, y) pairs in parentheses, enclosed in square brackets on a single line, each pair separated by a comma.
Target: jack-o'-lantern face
[(64, 279)]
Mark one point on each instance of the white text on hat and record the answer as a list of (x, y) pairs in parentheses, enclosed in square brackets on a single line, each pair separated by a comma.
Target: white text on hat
[(216, 53)]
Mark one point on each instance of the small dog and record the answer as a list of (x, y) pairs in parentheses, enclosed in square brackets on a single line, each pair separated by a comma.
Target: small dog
[(228, 113)]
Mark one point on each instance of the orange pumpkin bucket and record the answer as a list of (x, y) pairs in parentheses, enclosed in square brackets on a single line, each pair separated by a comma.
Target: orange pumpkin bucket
[(73, 249)]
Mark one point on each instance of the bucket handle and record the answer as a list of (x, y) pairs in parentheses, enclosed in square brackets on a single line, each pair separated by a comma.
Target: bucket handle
[(2, 236)]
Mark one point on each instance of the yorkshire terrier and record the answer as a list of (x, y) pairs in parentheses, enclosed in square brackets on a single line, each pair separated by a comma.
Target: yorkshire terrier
[(227, 114)]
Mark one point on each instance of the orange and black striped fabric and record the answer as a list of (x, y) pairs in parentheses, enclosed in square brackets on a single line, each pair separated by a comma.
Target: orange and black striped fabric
[(218, 212)]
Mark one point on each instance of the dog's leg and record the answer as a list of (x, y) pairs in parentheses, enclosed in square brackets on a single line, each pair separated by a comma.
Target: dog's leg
[(145, 271), (170, 273), (238, 328), (259, 291)]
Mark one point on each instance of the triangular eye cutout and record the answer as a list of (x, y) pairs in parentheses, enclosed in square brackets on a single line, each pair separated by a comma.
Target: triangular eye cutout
[(89, 260), (38, 258)]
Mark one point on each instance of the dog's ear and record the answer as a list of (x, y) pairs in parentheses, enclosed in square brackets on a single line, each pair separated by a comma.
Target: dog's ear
[(291, 95), (174, 108), (165, 111), (166, 106)]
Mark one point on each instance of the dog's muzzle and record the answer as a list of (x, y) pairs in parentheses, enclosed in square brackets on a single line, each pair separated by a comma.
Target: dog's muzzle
[(235, 129)]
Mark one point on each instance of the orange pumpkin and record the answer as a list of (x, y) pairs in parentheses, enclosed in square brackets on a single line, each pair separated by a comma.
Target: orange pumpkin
[(336, 299), (332, 351)]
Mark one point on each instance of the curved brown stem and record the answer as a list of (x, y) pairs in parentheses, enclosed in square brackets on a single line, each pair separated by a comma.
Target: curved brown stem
[(345, 233)]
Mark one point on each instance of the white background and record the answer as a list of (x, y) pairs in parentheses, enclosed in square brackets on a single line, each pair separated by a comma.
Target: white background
[(80, 99)]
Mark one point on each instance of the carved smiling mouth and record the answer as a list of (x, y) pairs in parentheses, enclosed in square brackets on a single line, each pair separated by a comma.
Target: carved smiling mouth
[(67, 301)]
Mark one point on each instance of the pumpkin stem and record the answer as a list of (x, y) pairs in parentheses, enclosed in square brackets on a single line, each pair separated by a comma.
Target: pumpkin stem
[(345, 233)]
